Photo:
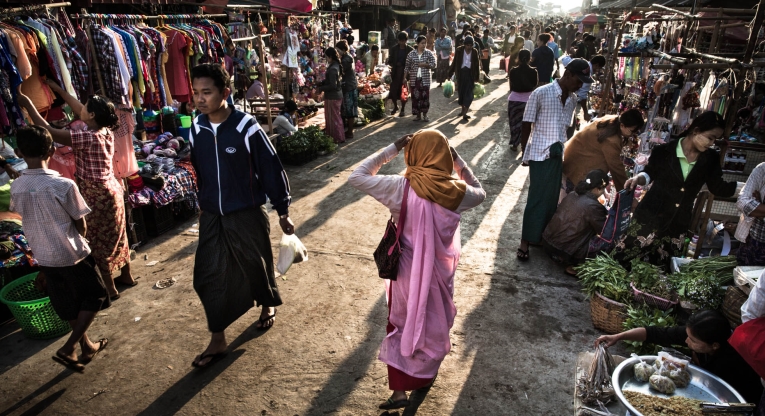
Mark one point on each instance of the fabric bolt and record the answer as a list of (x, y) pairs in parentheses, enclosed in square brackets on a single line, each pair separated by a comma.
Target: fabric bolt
[(420, 98), (76, 288), (544, 191), (550, 120), (234, 268), (515, 111), (107, 232), (49, 205), (350, 106)]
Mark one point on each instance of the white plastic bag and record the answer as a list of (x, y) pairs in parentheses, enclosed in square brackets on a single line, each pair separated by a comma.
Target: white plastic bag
[(291, 251)]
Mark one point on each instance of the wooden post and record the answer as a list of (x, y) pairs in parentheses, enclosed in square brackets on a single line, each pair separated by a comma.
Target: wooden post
[(265, 84)]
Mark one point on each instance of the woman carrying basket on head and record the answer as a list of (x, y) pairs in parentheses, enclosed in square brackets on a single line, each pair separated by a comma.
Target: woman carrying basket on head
[(421, 310)]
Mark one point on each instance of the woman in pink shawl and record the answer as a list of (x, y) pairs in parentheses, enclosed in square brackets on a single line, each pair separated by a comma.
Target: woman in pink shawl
[(421, 310)]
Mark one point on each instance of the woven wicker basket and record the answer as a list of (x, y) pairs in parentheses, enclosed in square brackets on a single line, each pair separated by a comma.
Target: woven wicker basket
[(649, 299), (607, 315), (731, 307)]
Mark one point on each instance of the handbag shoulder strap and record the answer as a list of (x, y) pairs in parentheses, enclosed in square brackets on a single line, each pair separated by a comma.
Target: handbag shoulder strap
[(402, 215)]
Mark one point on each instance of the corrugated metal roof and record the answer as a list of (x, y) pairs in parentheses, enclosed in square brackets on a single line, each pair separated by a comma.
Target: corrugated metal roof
[(621, 4)]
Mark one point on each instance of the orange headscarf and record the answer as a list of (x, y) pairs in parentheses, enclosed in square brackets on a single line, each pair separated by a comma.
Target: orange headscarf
[(429, 169)]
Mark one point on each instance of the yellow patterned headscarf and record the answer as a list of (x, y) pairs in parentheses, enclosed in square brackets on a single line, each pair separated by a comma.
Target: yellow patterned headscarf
[(429, 169)]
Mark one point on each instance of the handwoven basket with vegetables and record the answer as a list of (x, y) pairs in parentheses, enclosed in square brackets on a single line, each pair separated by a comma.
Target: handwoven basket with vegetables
[(649, 299), (607, 315)]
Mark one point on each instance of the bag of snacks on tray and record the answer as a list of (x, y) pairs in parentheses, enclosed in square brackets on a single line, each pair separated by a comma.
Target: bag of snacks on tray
[(662, 384), (643, 371)]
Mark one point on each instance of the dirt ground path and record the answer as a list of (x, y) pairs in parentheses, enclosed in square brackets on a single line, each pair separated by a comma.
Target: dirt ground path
[(514, 343)]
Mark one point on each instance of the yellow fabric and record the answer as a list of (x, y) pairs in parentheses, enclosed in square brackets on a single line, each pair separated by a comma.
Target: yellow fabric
[(685, 166), (429, 169)]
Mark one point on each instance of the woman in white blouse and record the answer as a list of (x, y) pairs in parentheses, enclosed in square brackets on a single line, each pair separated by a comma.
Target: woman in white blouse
[(421, 310)]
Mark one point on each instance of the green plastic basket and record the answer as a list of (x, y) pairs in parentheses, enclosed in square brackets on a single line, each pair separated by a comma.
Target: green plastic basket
[(32, 309)]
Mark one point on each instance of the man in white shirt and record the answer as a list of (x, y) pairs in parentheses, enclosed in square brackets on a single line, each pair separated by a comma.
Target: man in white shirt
[(548, 113)]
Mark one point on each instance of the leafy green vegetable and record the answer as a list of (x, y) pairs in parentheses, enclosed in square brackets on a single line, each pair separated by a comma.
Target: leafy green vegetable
[(309, 140), (720, 267), (642, 316), (373, 110), (606, 276), (648, 278), (697, 287)]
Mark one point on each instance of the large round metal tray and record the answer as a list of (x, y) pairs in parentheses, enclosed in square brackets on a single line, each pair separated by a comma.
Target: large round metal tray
[(704, 385)]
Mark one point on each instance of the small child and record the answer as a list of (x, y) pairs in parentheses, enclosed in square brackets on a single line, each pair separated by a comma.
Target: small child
[(54, 212)]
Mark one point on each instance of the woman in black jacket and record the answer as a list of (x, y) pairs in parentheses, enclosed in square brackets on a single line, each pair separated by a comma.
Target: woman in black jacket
[(397, 62), (523, 80), (706, 333), (676, 171)]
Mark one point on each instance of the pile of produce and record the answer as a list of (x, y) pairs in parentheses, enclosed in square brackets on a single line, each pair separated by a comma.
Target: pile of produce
[(305, 144), (719, 267), (643, 316), (650, 405), (606, 276), (373, 110), (448, 89), (595, 385), (697, 287), (648, 278), (366, 88)]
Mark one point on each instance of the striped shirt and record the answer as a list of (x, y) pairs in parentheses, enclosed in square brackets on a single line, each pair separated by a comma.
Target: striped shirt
[(49, 205), (747, 202), (550, 118)]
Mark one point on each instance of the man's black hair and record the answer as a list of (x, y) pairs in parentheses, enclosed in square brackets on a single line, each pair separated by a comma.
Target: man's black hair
[(34, 141), (216, 72), (598, 60)]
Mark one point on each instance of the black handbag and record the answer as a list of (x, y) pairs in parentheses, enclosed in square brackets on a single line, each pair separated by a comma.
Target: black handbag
[(388, 251)]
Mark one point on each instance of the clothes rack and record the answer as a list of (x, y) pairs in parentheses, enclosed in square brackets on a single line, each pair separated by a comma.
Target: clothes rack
[(36, 7)]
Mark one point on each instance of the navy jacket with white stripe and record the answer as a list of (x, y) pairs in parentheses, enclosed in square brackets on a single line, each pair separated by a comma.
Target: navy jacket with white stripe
[(237, 167)]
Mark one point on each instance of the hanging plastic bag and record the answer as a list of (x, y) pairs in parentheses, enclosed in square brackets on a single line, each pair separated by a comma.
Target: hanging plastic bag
[(404, 92), (478, 91), (448, 89), (291, 251)]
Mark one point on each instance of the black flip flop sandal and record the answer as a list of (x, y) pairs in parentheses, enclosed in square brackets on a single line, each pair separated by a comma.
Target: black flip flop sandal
[(390, 404), (262, 321), (214, 358), (522, 255), (102, 343), (68, 363)]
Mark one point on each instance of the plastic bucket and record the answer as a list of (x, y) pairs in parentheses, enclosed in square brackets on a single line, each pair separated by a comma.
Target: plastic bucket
[(184, 132), (32, 309), (185, 121)]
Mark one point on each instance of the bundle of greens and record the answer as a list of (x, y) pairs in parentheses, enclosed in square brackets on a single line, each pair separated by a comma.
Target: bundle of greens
[(309, 140), (606, 276), (719, 267), (697, 287), (373, 110), (648, 278), (642, 316)]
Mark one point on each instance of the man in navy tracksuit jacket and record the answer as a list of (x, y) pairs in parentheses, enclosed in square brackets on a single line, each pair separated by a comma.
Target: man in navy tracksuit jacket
[(237, 171)]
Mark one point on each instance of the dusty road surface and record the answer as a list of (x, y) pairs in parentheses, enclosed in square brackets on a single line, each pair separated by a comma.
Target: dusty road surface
[(514, 343)]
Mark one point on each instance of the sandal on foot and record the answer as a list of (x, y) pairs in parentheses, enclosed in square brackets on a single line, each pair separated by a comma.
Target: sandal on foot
[(262, 322), (426, 119), (68, 362), (115, 297), (390, 404), (102, 343), (571, 272), (214, 358), (395, 110), (522, 255), (401, 114)]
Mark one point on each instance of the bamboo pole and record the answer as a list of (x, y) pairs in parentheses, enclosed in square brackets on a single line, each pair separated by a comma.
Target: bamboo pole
[(36, 7), (717, 26), (265, 84), (710, 66), (740, 12), (693, 52)]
